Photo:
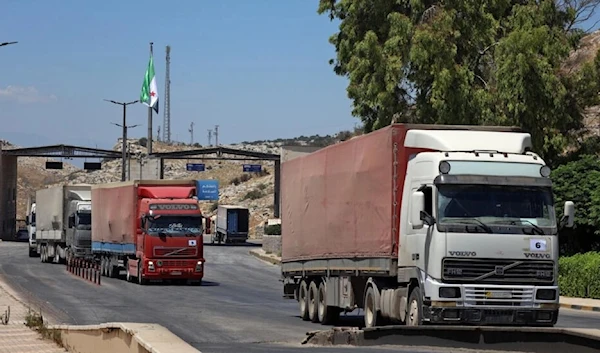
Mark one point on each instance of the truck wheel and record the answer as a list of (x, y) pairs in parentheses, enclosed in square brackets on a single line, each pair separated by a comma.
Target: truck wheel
[(414, 315), (32, 252), (43, 253), (313, 306), (303, 300), (327, 314), (372, 315)]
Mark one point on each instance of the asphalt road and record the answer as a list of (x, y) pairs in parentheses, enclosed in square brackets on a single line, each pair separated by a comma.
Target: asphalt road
[(239, 307)]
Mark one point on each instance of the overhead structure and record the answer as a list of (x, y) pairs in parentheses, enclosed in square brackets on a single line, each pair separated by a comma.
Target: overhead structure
[(167, 112), (223, 153), (8, 175)]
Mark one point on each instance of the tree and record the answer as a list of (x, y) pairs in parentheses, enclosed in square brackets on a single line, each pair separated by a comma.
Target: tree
[(493, 62), (579, 181)]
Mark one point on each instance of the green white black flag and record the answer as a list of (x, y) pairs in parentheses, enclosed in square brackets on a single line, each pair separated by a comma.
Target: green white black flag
[(149, 95)]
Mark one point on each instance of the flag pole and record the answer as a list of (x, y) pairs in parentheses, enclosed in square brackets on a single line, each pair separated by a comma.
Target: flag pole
[(149, 142)]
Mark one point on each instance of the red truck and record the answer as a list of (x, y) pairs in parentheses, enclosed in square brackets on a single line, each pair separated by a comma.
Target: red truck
[(152, 229)]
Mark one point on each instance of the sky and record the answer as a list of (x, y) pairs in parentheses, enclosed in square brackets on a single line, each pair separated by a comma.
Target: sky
[(259, 69)]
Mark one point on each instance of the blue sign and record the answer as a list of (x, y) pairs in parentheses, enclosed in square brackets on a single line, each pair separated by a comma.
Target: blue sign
[(252, 168), (207, 189), (194, 167)]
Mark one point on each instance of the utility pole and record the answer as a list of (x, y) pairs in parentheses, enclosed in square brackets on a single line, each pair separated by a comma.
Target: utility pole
[(209, 137), (191, 130), (124, 127), (167, 109), (216, 135)]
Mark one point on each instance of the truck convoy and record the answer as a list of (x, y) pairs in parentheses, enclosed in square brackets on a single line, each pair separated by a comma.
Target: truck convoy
[(423, 224), (152, 229), (30, 221), (63, 222), (233, 223)]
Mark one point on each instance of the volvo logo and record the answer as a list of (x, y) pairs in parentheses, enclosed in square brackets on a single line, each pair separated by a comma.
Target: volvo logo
[(462, 253), (499, 271), (530, 255)]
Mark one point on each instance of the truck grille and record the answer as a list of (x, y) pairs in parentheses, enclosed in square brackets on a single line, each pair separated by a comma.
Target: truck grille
[(175, 252), (497, 271), (494, 296), (177, 263)]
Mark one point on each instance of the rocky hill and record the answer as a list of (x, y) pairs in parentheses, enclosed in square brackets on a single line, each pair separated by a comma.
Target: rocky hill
[(253, 190)]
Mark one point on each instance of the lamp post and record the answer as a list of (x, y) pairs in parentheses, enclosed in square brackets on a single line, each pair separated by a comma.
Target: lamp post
[(124, 127), (7, 43)]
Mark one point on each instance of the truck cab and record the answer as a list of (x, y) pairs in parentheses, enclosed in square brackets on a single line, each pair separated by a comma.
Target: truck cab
[(30, 221), (170, 239), (480, 234), (79, 229)]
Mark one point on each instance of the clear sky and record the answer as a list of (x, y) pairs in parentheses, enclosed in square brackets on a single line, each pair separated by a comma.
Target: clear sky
[(257, 68)]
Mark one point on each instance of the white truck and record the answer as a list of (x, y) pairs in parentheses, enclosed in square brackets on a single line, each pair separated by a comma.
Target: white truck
[(30, 221), (64, 218), (423, 224), (232, 225)]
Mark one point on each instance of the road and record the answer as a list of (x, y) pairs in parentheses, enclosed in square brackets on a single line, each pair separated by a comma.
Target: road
[(239, 307)]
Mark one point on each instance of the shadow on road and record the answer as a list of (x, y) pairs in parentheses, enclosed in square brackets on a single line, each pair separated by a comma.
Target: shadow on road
[(236, 245)]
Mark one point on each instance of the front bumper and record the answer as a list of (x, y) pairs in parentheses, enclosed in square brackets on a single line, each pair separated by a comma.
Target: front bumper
[(174, 269), (490, 316)]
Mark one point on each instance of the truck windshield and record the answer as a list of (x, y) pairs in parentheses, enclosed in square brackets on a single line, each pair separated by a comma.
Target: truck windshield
[(495, 209), (85, 219), (175, 225)]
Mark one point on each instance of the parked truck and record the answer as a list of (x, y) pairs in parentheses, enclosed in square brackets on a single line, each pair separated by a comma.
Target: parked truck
[(232, 224), (63, 222), (30, 221), (152, 229), (423, 224)]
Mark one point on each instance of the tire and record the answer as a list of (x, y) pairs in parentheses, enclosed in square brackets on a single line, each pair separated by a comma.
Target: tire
[(303, 300), (414, 309), (32, 252), (43, 254), (313, 293), (327, 314), (372, 315)]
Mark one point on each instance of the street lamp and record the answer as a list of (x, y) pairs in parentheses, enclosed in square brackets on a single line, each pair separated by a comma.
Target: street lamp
[(124, 127), (7, 43)]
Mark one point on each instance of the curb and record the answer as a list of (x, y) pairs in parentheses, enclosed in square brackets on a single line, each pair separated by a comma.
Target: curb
[(267, 258), (581, 307)]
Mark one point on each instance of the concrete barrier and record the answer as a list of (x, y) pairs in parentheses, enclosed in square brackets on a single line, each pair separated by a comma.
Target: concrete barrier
[(121, 337), (522, 339)]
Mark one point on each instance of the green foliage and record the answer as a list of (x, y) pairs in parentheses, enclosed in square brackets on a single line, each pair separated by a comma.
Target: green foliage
[(579, 181), (274, 229), (579, 275), (495, 62), (143, 142), (254, 195)]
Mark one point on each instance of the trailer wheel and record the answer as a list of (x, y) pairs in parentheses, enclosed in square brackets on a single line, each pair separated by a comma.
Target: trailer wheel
[(414, 315), (327, 314), (303, 300), (32, 252), (313, 309), (372, 315), (42, 253)]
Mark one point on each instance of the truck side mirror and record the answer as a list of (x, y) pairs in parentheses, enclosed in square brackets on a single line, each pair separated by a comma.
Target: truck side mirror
[(417, 205), (569, 214)]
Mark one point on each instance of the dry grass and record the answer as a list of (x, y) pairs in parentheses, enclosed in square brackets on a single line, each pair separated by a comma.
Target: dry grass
[(35, 321)]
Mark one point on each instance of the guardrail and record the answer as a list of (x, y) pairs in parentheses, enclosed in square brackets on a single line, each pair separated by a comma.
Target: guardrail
[(522, 339), (85, 269)]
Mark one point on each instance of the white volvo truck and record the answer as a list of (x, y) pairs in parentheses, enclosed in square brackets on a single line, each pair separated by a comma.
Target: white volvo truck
[(423, 224)]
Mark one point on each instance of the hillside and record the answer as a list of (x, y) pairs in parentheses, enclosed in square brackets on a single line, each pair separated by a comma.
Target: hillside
[(252, 190)]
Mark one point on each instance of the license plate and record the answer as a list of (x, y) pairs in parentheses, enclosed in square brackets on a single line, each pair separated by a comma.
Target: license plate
[(176, 273), (499, 295)]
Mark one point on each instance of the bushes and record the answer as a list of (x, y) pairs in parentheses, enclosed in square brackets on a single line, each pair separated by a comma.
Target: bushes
[(579, 275), (274, 229)]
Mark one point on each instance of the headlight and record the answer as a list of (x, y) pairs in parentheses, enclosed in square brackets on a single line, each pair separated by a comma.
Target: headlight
[(449, 292)]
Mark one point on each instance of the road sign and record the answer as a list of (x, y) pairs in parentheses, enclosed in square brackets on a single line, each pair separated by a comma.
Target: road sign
[(194, 167), (207, 189), (252, 168)]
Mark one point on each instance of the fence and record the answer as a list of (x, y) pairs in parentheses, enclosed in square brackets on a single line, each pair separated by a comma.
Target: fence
[(85, 269)]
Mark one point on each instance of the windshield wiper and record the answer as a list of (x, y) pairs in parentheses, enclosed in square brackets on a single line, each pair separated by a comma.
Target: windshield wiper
[(479, 223), (534, 227)]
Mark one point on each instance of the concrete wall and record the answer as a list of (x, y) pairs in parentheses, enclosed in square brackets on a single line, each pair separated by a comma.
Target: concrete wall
[(8, 196), (272, 244), (291, 152), (122, 337)]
